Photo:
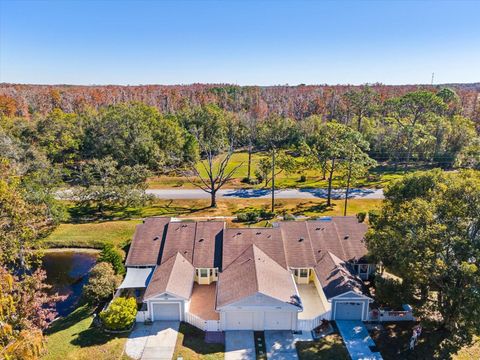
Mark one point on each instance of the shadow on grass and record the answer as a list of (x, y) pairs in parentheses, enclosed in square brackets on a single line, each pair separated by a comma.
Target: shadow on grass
[(75, 317), (303, 208), (434, 343), (194, 340), (94, 336)]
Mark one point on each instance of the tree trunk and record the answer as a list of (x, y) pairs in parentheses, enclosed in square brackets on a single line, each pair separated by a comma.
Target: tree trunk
[(273, 180), (348, 186), (249, 161), (330, 177), (213, 199)]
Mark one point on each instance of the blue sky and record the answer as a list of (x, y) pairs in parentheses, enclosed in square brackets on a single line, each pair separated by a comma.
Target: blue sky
[(242, 42)]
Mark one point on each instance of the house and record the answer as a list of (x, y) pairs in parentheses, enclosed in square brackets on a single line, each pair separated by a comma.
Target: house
[(290, 276)]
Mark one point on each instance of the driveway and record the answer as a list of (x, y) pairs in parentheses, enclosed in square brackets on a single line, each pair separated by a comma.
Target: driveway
[(239, 345), (312, 193), (280, 345), (153, 342), (357, 339)]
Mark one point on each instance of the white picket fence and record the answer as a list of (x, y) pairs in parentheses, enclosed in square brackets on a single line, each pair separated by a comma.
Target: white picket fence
[(310, 324), (205, 325), (142, 316), (384, 315)]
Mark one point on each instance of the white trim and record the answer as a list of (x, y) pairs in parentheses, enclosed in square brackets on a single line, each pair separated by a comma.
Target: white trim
[(362, 301)]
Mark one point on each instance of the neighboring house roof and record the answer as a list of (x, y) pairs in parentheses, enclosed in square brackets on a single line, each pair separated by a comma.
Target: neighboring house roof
[(237, 240), (253, 271), (336, 277), (174, 276), (146, 243), (180, 238), (298, 246), (207, 252)]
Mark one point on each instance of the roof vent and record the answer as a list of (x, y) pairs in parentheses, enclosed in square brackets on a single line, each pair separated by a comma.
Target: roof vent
[(301, 239), (259, 233), (156, 238), (184, 225), (185, 252), (269, 236), (346, 237), (201, 240), (239, 233)]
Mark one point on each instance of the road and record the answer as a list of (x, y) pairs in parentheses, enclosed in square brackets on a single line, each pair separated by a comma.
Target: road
[(265, 194)]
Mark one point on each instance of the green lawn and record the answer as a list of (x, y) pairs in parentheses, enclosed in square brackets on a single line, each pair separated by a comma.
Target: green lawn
[(92, 235), (191, 345), (330, 347), (73, 338), (377, 178)]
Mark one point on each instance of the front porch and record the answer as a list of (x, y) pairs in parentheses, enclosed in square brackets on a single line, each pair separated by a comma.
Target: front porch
[(202, 301)]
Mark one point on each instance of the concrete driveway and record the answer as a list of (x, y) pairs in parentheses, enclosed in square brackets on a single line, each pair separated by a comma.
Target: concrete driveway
[(280, 345), (239, 345), (153, 342), (357, 339)]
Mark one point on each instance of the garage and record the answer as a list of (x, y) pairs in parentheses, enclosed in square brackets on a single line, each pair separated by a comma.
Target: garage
[(166, 311), (348, 310), (239, 321), (278, 321)]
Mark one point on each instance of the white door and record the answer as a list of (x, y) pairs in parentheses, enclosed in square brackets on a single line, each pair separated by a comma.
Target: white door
[(167, 311), (348, 310), (278, 321), (238, 321)]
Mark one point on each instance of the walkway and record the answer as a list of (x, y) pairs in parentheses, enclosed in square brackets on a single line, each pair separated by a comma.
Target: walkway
[(314, 193), (153, 342), (358, 341), (280, 345), (239, 345)]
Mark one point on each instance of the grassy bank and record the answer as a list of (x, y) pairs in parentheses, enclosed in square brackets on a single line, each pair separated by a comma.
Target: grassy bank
[(74, 338), (120, 231), (376, 178)]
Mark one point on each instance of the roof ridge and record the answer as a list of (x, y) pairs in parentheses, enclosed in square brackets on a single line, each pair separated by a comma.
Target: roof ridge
[(311, 242), (339, 240)]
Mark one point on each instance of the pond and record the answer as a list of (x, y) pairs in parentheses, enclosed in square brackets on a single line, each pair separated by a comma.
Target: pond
[(67, 271)]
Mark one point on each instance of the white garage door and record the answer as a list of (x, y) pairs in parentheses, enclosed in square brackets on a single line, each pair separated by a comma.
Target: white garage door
[(278, 321), (348, 310), (239, 321), (167, 311)]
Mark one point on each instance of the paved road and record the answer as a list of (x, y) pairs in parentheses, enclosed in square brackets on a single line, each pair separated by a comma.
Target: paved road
[(153, 342), (239, 345), (264, 194), (358, 341)]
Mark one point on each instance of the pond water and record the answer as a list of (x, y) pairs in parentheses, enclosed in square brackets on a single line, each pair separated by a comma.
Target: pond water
[(67, 272)]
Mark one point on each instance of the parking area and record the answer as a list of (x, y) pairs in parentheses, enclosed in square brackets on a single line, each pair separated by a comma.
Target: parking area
[(357, 340), (280, 345), (153, 342), (239, 345)]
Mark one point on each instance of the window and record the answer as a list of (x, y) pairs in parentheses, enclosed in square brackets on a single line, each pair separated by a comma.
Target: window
[(216, 272), (295, 272), (304, 273), (363, 268), (204, 273)]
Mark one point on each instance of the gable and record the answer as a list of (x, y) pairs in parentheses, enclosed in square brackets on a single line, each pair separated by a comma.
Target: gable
[(351, 295), (259, 300)]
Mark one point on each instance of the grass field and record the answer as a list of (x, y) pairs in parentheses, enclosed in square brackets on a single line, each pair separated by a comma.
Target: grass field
[(73, 338), (120, 232), (377, 178), (191, 346)]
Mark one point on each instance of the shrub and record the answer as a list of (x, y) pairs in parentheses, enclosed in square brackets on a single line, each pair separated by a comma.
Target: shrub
[(250, 216), (361, 216), (266, 215), (112, 256), (120, 315), (288, 217), (102, 283), (373, 216), (303, 178)]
